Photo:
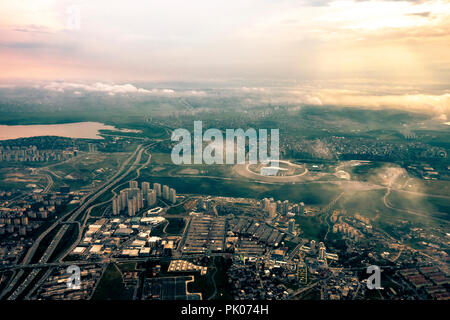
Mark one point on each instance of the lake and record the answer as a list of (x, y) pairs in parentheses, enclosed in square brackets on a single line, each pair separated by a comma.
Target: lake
[(82, 130)]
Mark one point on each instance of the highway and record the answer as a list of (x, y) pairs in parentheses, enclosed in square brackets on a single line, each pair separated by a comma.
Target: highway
[(328, 211), (138, 170), (49, 185), (72, 215), (109, 260)]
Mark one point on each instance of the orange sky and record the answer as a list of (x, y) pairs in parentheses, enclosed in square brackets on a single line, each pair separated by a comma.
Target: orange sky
[(401, 42)]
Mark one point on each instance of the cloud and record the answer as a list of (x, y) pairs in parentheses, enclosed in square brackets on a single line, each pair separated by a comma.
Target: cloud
[(32, 28), (433, 100), (421, 14), (356, 93), (95, 87), (437, 104), (252, 89), (113, 89), (22, 45)]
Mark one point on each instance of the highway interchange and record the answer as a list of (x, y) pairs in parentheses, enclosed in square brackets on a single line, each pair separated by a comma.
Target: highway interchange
[(12, 291)]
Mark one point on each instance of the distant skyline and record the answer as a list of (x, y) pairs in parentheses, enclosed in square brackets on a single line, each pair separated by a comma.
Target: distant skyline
[(375, 44)]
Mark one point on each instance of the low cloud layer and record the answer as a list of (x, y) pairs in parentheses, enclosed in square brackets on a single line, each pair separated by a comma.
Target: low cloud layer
[(113, 89), (434, 102), (436, 105)]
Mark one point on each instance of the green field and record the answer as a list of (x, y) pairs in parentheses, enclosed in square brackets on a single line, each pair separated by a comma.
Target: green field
[(217, 269), (310, 193), (15, 177), (432, 206), (178, 209), (158, 230), (111, 286), (176, 226), (311, 227)]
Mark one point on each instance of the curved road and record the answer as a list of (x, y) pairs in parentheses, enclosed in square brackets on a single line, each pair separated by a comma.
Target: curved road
[(72, 216)]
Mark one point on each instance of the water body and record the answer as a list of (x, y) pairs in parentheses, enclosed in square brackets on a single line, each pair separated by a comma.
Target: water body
[(81, 130)]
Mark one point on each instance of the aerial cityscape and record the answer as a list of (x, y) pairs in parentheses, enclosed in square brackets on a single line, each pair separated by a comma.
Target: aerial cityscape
[(268, 151)]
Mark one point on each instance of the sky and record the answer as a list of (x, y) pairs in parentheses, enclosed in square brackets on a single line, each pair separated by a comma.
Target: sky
[(398, 49)]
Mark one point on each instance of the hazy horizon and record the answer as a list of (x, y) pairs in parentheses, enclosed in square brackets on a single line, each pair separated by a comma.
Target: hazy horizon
[(352, 53)]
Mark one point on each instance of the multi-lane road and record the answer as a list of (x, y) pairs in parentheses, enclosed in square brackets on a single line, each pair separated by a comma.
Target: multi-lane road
[(71, 217)]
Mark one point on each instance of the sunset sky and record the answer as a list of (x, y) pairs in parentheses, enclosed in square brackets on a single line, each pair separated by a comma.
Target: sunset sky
[(376, 45)]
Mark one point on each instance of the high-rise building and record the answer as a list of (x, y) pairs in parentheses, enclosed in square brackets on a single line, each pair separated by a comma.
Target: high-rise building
[(291, 226), (279, 206), (133, 184), (123, 199), (24, 221), (157, 187), (302, 273), (313, 245), (145, 186), (151, 197), (139, 200), (172, 195), (165, 193), (266, 204), (116, 205), (273, 210), (285, 207), (130, 205), (135, 204), (301, 208), (322, 251)]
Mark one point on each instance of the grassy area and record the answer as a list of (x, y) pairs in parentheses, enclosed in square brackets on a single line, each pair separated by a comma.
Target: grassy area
[(223, 287), (427, 205), (310, 193), (312, 294), (84, 169), (176, 226), (161, 158), (127, 266), (111, 286), (14, 177), (367, 203), (290, 245), (158, 230), (435, 187), (311, 227), (202, 284), (365, 171), (179, 209), (98, 211)]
